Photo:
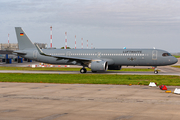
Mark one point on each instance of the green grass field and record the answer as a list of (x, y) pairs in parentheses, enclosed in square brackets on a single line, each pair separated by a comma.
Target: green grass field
[(176, 66), (66, 69), (90, 79), (176, 56)]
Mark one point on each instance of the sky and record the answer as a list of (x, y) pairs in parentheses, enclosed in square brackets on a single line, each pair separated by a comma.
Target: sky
[(104, 23)]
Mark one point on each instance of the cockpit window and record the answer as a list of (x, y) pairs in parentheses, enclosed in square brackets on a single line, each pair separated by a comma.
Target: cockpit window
[(166, 54)]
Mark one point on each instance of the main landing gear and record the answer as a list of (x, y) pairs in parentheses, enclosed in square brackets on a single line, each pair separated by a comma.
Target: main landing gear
[(83, 70), (155, 70)]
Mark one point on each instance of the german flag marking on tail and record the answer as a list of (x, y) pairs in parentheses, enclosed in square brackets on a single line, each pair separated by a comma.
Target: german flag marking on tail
[(21, 34)]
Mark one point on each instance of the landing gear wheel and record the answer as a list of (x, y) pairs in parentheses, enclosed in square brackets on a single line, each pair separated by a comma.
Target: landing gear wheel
[(83, 70), (155, 72), (94, 71)]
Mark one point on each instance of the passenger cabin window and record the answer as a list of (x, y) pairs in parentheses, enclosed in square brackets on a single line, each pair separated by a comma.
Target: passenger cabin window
[(166, 54)]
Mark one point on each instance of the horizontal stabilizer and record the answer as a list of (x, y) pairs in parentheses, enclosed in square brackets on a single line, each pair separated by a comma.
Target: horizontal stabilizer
[(20, 52)]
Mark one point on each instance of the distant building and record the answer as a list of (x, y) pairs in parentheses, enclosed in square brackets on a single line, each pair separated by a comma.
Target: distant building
[(9, 46), (14, 46)]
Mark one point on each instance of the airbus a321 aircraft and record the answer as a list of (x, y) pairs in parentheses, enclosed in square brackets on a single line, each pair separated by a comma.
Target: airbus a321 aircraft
[(95, 59)]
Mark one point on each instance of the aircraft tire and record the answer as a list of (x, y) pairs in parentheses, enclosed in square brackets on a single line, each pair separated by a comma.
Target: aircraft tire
[(155, 72), (83, 70)]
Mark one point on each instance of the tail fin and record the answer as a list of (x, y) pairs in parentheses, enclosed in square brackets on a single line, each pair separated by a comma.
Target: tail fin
[(23, 40)]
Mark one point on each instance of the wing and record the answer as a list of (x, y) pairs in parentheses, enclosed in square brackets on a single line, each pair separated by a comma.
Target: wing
[(77, 59)]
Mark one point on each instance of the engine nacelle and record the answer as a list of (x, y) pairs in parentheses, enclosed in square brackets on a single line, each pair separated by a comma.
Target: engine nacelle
[(98, 66), (114, 67)]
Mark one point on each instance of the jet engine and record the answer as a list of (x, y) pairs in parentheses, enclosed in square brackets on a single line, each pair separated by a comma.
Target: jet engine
[(98, 66), (114, 67)]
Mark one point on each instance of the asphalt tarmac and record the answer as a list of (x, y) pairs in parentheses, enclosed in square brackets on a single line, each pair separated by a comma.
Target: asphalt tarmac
[(39, 101), (107, 72), (164, 70)]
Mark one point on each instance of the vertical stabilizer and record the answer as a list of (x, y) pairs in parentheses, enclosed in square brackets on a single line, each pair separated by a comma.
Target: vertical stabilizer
[(23, 40)]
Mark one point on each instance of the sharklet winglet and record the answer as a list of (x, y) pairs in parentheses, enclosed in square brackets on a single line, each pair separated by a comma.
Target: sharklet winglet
[(40, 51)]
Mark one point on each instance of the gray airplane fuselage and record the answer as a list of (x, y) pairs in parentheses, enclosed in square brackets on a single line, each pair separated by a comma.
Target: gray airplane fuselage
[(95, 59), (123, 57)]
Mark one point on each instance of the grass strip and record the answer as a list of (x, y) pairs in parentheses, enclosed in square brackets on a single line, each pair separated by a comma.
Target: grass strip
[(176, 66), (90, 79), (176, 56), (67, 69)]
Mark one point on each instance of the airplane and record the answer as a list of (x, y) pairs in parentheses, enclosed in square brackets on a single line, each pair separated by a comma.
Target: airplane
[(95, 59)]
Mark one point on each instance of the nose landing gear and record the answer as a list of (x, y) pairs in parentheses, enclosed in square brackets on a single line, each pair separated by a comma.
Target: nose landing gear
[(155, 70)]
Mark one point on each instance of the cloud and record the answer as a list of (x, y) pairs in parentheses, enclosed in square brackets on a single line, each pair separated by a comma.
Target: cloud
[(98, 13), (111, 19)]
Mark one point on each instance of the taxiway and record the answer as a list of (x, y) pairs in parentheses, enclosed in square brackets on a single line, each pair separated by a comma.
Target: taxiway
[(164, 70)]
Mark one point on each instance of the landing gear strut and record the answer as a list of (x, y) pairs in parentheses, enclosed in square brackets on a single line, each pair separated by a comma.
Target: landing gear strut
[(155, 70), (83, 70)]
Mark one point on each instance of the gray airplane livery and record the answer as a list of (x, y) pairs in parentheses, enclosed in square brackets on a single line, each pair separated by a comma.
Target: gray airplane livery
[(95, 59)]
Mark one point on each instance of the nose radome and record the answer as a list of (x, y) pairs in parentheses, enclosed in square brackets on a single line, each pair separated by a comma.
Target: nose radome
[(175, 60)]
